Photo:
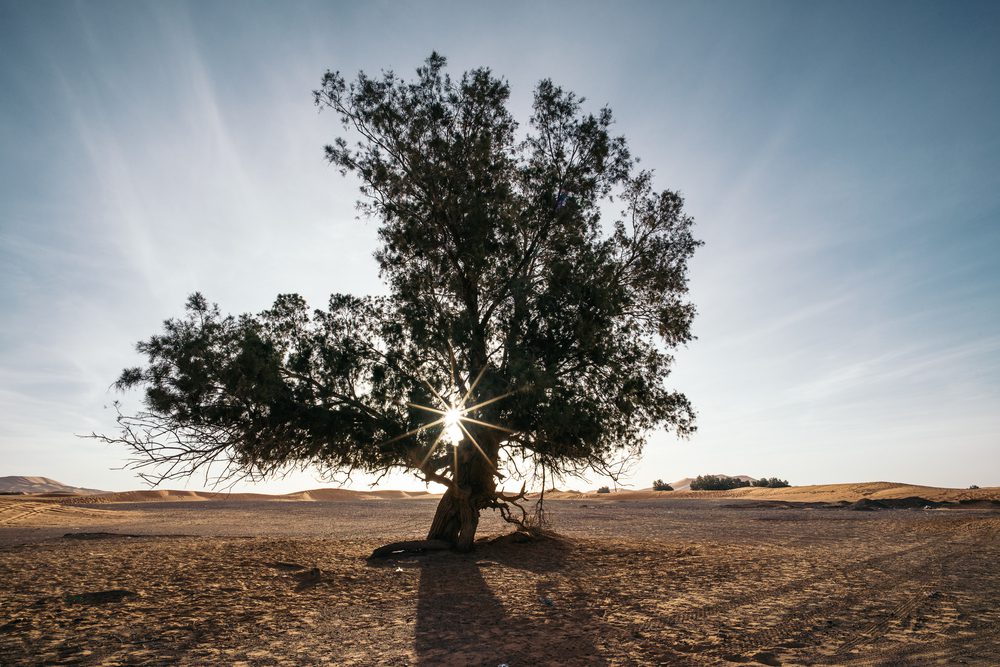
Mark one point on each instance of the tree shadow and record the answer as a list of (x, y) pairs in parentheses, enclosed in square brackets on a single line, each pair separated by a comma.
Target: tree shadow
[(461, 620)]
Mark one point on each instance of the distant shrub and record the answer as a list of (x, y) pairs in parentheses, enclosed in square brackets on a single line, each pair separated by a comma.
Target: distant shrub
[(717, 483), (660, 485), (604, 489), (772, 483), (973, 486)]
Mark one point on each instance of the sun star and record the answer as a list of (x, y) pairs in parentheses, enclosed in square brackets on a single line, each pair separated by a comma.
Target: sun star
[(452, 417), (453, 426)]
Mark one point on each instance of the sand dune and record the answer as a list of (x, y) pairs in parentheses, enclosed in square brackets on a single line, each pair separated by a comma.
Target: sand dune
[(175, 495), (828, 493), (560, 495), (346, 494), (21, 484), (145, 496)]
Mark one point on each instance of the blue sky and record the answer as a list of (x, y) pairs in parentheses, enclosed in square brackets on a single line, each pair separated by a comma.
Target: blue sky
[(842, 161)]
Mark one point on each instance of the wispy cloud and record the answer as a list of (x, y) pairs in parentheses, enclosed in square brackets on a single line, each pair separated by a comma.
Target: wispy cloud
[(848, 290)]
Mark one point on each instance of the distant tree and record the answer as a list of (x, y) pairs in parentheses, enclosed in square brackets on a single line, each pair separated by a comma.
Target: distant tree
[(660, 485), (773, 482), (717, 483), (973, 486), (513, 302), (604, 489)]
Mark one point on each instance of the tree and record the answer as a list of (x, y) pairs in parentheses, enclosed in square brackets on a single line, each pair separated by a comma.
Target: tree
[(717, 483), (521, 327), (771, 483), (660, 485)]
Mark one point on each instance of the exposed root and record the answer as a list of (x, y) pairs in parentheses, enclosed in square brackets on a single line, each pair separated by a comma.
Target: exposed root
[(524, 536), (410, 548), (531, 524), (505, 502), (539, 519)]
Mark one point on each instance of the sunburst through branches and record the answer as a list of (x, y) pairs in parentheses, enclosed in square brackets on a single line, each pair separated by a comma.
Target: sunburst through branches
[(453, 417)]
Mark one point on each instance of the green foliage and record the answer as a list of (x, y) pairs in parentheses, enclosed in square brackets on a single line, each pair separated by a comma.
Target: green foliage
[(772, 482), (717, 483), (497, 256), (660, 485)]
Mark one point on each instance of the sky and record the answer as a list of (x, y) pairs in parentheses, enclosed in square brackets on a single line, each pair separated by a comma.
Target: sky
[(841, 160)]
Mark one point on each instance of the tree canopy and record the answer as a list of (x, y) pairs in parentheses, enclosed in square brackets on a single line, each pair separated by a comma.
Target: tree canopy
[(510, 288)]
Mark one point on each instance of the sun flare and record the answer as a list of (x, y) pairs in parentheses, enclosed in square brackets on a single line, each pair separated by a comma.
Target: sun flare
[(452, 418), (452, 426)]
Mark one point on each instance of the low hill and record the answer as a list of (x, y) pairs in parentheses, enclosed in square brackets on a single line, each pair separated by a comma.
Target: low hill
[(859, 491), (175, 495), (45, 489), (827, 493), (19, 484)]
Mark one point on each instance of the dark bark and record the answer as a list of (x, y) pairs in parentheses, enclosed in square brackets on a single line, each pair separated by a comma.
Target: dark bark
[(409, 548), (473, 489), (446, 524)]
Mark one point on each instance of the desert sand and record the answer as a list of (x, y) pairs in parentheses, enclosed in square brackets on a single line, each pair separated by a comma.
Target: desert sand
[(752, 576), (34, 485), (821, 493)]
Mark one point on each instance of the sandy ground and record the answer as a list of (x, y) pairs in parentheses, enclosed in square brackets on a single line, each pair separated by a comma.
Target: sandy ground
[(818, 493), (684, 581)]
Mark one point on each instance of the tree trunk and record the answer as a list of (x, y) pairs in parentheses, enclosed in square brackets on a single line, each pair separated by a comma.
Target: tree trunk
[(457, 515)]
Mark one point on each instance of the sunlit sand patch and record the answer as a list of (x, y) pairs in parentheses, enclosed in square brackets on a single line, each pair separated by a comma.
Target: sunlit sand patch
[(17, 512)]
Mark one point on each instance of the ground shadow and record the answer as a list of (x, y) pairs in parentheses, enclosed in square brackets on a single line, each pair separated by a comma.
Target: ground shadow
[(462, 621)]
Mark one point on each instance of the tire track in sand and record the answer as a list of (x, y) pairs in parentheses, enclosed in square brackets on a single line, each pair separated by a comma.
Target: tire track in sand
[(16, 511), (798, 585), (799, 626), (871, 633)]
